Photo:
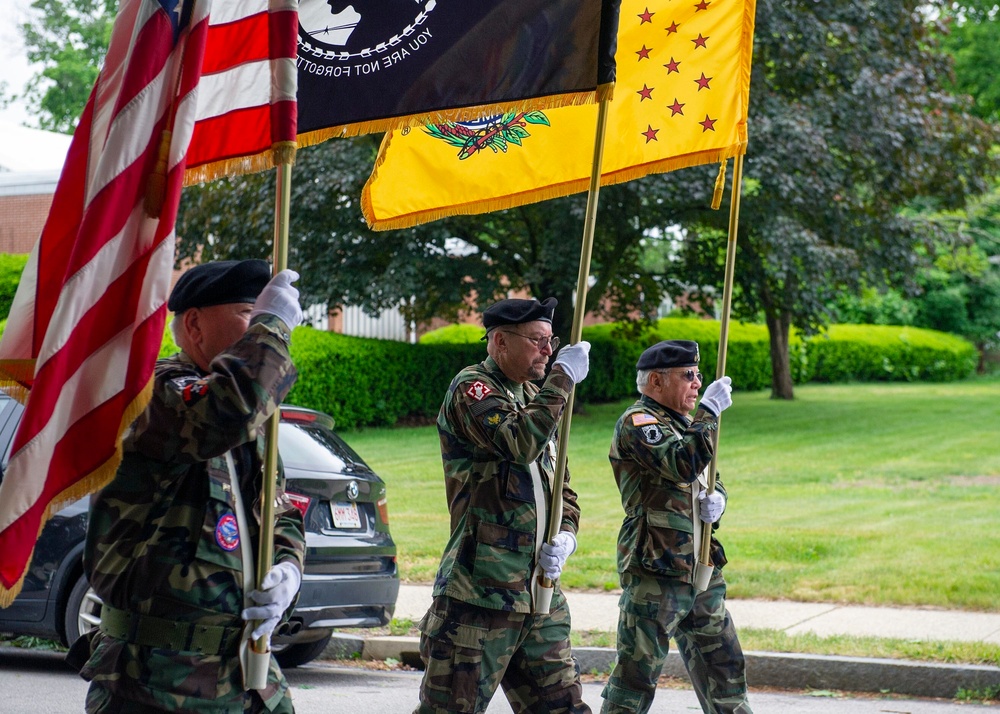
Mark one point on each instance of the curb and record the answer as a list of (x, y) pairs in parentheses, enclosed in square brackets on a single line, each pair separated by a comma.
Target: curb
[(765, 669)]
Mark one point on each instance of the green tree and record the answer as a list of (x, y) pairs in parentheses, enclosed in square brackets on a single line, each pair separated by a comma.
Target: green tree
[(972, 36), (960, 290), (69, 39)]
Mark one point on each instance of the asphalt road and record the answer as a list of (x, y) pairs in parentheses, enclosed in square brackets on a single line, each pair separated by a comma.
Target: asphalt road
[(33, 681)]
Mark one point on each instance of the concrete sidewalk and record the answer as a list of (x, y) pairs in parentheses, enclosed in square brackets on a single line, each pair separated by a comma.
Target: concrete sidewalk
[(599, 611)]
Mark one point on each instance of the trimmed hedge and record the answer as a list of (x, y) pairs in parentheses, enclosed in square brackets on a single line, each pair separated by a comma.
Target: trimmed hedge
[(378, 382), (885, 353), (361, 381), (453, 334), (11, 267), (612, 361)]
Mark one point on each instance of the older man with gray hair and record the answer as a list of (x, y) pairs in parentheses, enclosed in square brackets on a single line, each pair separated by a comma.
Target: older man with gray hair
[(660, 457)]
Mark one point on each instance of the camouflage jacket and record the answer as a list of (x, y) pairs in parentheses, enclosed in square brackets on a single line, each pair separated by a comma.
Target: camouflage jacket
[(492, 431), (163, 539), (656, 455)]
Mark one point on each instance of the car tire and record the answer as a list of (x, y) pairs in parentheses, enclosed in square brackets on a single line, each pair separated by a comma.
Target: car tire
[(291, 656), (83, 610)]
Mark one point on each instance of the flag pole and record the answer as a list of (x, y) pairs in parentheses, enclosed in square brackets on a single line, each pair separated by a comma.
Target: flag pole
[(545, 586), (261, 647), (704, 568)]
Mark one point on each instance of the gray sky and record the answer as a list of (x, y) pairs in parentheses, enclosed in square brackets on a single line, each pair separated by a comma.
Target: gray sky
[(14, 68)]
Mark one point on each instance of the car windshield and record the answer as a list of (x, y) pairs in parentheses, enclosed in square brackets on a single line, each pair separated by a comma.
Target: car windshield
[(313, 448)]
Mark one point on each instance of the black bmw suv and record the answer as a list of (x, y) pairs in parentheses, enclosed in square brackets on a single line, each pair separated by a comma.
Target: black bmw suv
[(350, 580)]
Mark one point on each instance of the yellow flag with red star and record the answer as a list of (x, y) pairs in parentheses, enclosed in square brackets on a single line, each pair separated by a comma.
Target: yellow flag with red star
[(680, 100)]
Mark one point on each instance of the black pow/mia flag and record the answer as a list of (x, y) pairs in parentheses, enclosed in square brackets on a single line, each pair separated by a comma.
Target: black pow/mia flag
[(373, 65)]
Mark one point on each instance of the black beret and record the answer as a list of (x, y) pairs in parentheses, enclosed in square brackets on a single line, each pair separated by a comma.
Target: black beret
[(669, 353), (515, 311), (219, 283)]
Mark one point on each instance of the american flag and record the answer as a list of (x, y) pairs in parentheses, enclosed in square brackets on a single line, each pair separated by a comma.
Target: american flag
[(247, 108), (87, 320)]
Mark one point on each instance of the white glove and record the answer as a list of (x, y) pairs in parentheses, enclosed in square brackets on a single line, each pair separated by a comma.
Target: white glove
[(553, 556), (718, 396), (277, 592), (574, 360), (279, 298), (711, 506)]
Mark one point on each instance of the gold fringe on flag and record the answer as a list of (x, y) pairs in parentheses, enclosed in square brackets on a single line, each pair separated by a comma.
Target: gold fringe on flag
[(281, 152), (92, 482), (541, 194), (16, 378), (456, 115)]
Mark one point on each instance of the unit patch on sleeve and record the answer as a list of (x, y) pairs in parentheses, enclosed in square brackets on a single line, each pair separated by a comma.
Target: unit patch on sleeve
[(478, 390), (642, 418), (192, 388), (652, 434)]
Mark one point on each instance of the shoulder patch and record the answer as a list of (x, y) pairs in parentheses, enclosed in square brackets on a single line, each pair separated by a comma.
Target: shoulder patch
[(643, 418), (652, 434), (478, 390), (192, 388)]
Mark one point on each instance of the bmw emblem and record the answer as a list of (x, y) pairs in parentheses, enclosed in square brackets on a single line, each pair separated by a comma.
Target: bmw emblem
[(352, 490)]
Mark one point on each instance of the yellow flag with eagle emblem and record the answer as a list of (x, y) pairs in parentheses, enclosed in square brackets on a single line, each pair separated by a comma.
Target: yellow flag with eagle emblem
[(683, 86)]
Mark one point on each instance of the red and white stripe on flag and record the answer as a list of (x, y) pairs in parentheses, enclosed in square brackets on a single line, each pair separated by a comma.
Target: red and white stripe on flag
[(247, 108), (87, 320)]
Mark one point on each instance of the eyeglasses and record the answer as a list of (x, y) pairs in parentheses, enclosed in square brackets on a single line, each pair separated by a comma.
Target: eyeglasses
[(540, 342)]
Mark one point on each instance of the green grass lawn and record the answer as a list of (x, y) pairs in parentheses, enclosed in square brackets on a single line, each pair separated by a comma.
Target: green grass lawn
[(880, 494)]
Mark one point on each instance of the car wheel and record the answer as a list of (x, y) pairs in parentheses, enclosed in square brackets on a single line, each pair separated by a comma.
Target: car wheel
[(290, 656), (83, 610)]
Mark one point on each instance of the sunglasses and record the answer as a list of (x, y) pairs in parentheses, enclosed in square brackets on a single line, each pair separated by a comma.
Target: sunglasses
[(690, 375)]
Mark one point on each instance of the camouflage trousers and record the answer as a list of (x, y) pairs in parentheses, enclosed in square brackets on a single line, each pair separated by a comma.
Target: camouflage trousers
[(101, 701), (706, 640), (470, 651)]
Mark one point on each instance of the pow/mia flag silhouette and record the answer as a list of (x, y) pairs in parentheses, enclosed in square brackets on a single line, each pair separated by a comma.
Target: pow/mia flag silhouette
[(652, 434), (370, 65)]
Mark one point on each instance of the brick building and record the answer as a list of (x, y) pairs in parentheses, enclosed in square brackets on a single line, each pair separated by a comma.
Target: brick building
[(30, 162), (25, 198)]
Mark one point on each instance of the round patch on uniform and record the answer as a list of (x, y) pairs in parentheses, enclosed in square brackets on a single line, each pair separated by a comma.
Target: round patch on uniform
[(227, 532), (652, 434)]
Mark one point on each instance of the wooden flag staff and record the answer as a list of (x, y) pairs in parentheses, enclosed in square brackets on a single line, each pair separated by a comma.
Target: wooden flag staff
[(704, 568), (544, 586), (260, 648)]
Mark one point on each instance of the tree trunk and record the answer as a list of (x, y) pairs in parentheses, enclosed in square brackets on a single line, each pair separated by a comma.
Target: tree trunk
[(778, 324)]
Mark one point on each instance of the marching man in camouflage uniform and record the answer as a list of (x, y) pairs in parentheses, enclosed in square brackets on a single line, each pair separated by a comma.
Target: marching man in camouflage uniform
[(497, 433), (168, 537), (659, 456)]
